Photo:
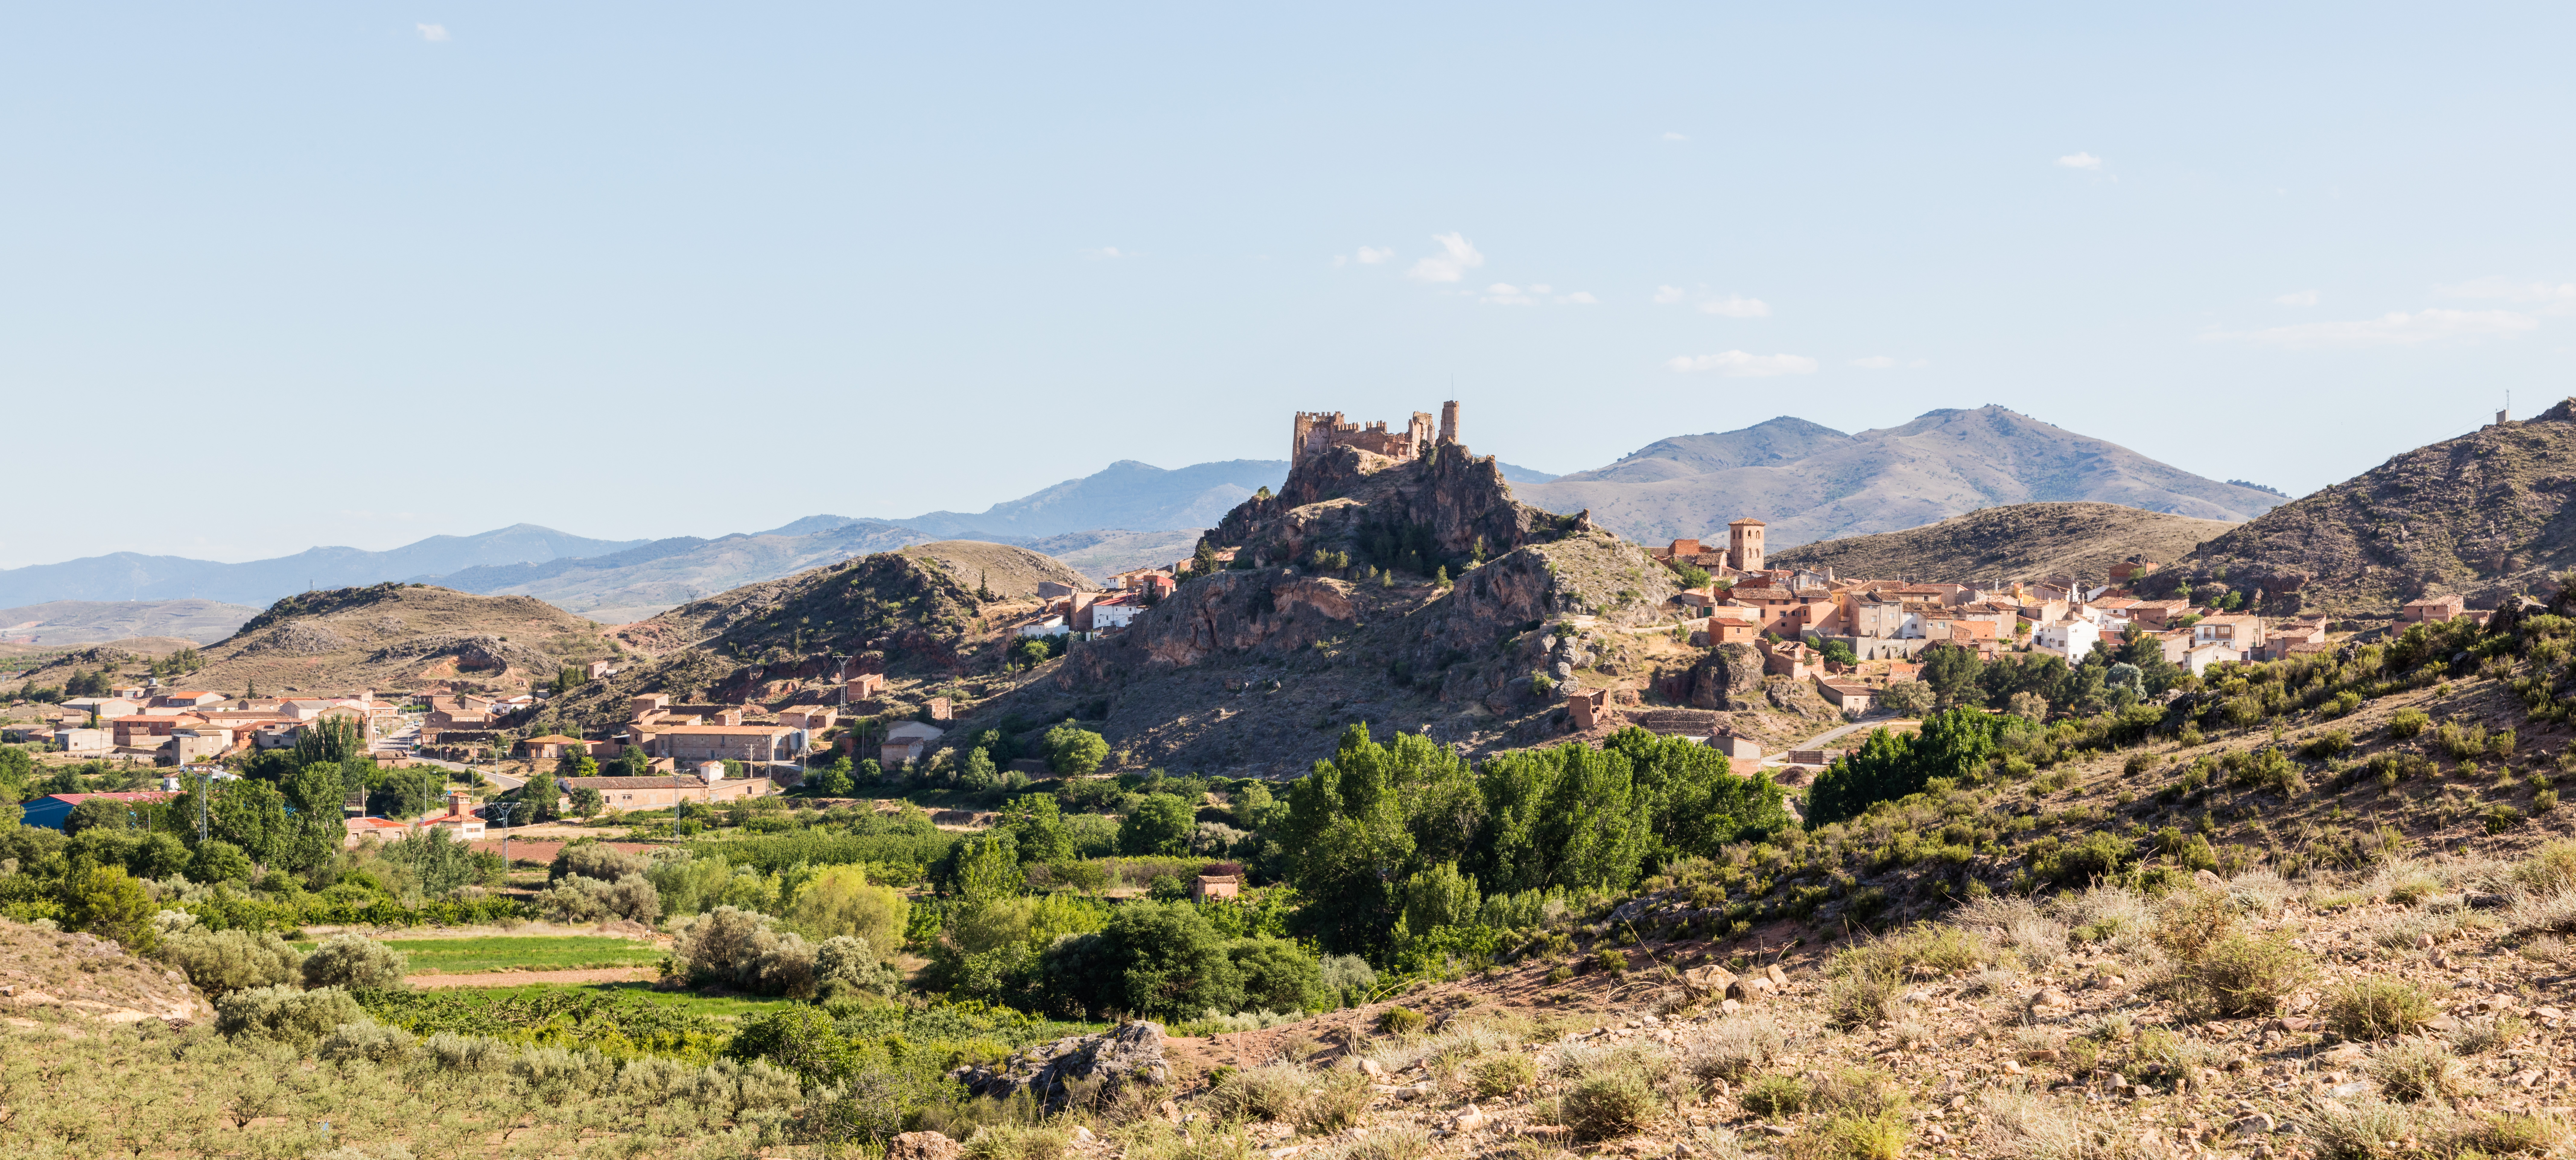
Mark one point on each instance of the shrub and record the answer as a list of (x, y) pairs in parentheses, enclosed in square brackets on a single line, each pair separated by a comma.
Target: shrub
[(1504, 1074), (1734, 1048), (2408, 723), (2479, 1035), (740, 948), (2332, 743), (1611, 959), (2418, 1069), (1775, 1095), (595, 860), (1347, 974), (2239, 975), (216, 860), (282, 1014), (355, 962), (2373, 1008), (846, 963), (2550, 871), (1860, 997), (581, 898), (2508, 1134), (1400, 1021), (370, 1041), (2189, 920), (1607, 1105), (1878, 1137), (2099, 855), (869, 1111), (221, 962), (1271, 1092), (2141, 762), (799, 1039), (1336, 1100)]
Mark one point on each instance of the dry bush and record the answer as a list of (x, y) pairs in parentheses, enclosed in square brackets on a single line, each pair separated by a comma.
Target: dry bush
[(1775, 1095), (1018, 1142), (373, 1042), (1400, 1142), (1336, 1100), (219, 962), (284, 1015), (1911, 1033), (2021, 1125), (2025, 930), (2480, 1034), (2260, 892), (2239, 975), (2507, 1134), (1607, 1105), (1270, 1092), (2189, 920), (2101, 913), (2549, 871), (1504, 1074), (1731, 1049), (355, 962), (2553, 914), (2375, 1008), (1860, 1091), (2415, 1068), (2365, 1129)]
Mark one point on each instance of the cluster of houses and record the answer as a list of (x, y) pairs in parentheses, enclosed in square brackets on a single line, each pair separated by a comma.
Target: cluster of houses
[(1789, 614), (1085, 614), (186, 726)]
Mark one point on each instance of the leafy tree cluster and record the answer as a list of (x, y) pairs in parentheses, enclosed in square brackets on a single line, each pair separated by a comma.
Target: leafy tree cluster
[(1375, 817)]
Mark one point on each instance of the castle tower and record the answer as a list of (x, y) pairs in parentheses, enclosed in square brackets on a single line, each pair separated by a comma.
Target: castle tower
[(1418, 432), (1449, 421), (1744, 545)]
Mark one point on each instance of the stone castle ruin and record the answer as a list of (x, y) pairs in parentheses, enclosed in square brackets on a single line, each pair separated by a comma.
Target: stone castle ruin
[(1315, 432)]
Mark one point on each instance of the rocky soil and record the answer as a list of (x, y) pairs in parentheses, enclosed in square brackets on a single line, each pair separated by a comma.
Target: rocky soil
[(2486, 514), (2081, 540)]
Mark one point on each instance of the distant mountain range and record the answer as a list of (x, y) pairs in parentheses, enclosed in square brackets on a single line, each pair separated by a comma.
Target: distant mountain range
[(78, 622), (1810, 482)]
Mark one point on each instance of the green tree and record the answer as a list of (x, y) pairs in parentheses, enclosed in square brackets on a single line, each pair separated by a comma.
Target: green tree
[(1277, 976), (328, 741), (438, 862), (99, 813), (1345, 838), (576, 762), (542, 799), (1952, 672), (988, 869), (1567, 816), (251, 815), (1036, 825), (216, 860), (835, 780), (1438, 897), (840, 900), (1907, 698), (1073, 751), (1875, 772), (1202, 561), (1162, 960), (1838, 653), (586, 802), (107, 902), (1160, 824)]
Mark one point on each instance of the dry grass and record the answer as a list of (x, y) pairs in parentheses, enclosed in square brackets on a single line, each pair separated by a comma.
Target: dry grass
[(2375, 1008)]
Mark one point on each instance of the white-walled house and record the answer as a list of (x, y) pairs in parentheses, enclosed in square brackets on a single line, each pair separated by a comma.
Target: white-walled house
[(2072, 639)]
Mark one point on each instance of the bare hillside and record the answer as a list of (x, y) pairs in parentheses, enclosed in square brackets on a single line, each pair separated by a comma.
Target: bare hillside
[(393, 636), (1004, 570), (2489, 513), (2030, 539)]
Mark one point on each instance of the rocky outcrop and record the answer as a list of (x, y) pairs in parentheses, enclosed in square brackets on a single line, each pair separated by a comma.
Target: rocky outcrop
[(1271, 611), (1451, 504), (471, 650), (1084, 1069), (1729, 677)]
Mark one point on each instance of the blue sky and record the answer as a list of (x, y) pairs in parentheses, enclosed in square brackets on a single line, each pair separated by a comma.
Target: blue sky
[(358, 273)]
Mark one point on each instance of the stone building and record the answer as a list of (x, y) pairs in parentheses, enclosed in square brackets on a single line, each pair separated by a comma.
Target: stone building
[(1314, 432)]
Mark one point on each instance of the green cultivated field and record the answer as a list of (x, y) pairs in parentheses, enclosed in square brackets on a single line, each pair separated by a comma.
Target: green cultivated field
[(466, 956)]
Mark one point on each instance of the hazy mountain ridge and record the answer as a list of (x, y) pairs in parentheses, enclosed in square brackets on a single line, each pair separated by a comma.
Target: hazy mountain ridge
[(132, 576), (1813, 483), (69, 622)]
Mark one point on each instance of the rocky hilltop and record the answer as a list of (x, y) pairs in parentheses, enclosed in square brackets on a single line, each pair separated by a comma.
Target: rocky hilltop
[(2483, 515), (2029, 539)]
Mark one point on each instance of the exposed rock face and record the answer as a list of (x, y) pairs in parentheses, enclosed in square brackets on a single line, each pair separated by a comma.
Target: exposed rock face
[(1729, 677), (1335, 499), (1089, 1067), (1274, 610), (2487, 514)]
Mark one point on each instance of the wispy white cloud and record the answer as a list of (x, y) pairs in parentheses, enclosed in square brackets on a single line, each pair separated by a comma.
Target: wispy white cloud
[(1457, 256), (1104, 252), (1506, 294), (2301, 298), (1736, 306), (1370, 256), (1578, 298), (1667, 295), (1676, 137), (2083, 161), (2396, 328), (433, 33), (1876, 362), (1738, 364)]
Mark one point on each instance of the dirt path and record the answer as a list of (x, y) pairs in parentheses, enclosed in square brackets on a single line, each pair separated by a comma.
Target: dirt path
[(523, 978)]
